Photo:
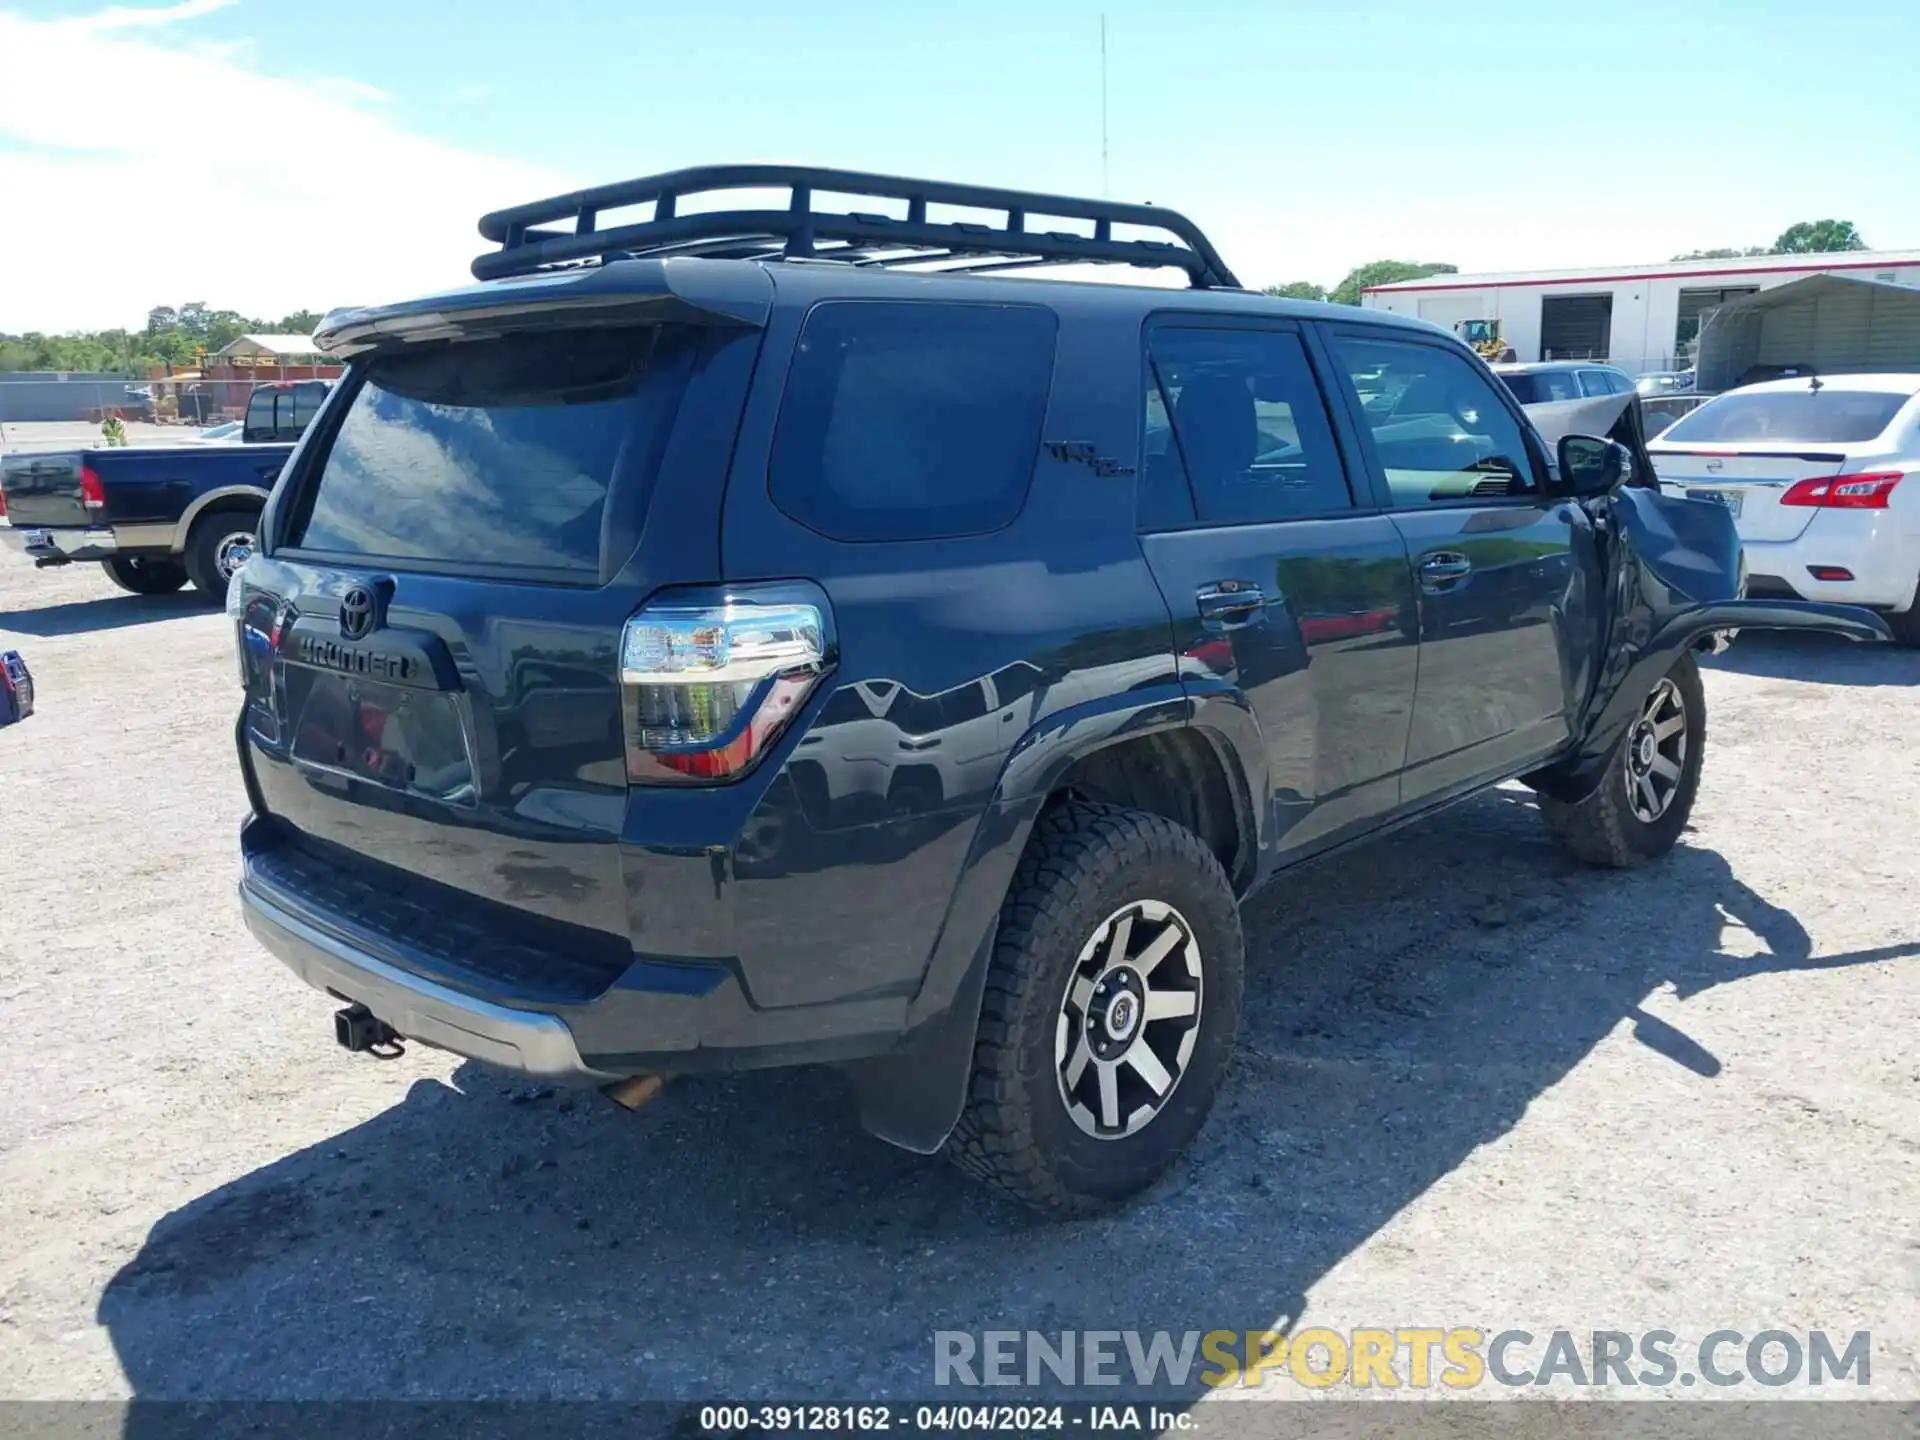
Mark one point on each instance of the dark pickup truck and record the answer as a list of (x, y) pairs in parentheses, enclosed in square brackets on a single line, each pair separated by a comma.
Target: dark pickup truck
[(157, 517)]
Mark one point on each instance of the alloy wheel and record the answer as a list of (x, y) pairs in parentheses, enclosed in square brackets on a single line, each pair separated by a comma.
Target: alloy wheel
[(1129, 1019), (1657, 753)]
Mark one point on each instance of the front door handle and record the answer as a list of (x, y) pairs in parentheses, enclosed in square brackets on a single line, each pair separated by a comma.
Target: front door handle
[(1229, 604), (1439, 566)]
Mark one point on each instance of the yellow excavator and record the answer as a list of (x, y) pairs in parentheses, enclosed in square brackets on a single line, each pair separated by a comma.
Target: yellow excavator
[(1484, 337)]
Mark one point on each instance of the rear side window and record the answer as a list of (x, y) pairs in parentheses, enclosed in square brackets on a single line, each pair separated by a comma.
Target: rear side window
[(1542, 387), (498, 452), (1238, 414), (912, 420), (1826, 415)]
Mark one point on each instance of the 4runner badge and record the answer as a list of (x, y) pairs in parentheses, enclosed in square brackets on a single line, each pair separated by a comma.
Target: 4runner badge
[(1080, 452)]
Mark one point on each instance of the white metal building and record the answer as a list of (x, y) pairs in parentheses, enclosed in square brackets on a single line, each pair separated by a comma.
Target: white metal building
[(1638, 317)]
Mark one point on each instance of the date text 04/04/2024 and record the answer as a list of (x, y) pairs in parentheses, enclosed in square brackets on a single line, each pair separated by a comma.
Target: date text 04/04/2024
[(941, 1419)]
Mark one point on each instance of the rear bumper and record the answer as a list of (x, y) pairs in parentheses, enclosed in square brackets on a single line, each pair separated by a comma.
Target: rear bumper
[(1884, 561), (526, 1041), (60, 544), (427, 977)]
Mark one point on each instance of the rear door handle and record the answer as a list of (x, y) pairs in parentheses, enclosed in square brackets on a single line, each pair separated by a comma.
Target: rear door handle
[(1230, 603), (1439, 566)]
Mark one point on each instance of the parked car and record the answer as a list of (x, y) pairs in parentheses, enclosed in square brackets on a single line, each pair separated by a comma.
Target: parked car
[(1548, 381), (155, 518), (666, 664), (1822, 477), (1665, 382)]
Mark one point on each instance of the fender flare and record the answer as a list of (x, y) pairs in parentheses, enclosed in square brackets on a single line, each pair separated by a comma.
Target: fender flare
[(1575, 777), (183, 527), (912, 1096)]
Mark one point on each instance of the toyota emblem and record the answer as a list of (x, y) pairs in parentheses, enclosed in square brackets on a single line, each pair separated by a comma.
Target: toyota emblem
[(358, 613)]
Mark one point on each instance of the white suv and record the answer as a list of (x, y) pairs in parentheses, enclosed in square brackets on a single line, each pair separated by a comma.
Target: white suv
[(1823, 478)]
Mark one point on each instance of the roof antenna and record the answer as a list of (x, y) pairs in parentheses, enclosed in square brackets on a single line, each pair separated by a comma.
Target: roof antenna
[(1105, 188), (1813, 382)]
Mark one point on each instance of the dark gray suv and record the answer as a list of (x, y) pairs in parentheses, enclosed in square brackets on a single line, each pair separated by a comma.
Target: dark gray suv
[(747, 637)]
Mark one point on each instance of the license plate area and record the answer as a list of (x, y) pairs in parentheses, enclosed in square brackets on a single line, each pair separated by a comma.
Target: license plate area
[(395, 736), (1728, 498)]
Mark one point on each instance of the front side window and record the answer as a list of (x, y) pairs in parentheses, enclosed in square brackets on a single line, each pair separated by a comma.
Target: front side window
[(912, 420), (1440, 432), (1238, 414)]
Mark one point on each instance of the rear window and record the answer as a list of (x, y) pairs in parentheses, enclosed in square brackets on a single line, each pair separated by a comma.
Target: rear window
[(278, 414), (497, 452), (1826, 415), (912, 420)]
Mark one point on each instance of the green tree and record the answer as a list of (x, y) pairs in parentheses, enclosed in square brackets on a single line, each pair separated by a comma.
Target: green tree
[(1384, 272), (1297, 290), (173, 335), (1818, 237)]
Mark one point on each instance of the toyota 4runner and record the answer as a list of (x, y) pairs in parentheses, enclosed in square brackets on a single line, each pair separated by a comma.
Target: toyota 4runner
[(741, 637)]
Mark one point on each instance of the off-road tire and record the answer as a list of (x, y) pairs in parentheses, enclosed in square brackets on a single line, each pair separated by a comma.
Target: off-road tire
[(1602, 829), (204, 543), (138, 575), (1084, 863)]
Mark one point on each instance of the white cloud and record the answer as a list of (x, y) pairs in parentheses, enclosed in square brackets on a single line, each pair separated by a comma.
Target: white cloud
[(266, 195), (128, 17)]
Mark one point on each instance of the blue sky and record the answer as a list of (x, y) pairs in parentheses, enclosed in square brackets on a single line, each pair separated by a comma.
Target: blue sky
[(1305, 137)]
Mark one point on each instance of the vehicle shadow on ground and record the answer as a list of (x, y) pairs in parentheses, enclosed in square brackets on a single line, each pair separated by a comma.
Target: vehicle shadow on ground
[(110, 612), (740, 1236), (1817, 659)]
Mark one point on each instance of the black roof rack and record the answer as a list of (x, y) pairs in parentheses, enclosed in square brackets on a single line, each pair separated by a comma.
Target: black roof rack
[(801, 232)]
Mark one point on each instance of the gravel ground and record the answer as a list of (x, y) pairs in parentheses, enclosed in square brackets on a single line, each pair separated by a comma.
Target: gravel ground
[(78, 434), (1478, 1086)]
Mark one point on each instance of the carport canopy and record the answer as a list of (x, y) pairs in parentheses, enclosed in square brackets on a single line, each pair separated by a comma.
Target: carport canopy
[(1826, 324)]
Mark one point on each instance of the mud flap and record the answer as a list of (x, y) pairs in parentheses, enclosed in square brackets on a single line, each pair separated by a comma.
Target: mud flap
[(913, 1096), (1675, 575)]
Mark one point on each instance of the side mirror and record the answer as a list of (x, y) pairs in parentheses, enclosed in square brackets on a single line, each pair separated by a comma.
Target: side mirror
[(1592, 466)]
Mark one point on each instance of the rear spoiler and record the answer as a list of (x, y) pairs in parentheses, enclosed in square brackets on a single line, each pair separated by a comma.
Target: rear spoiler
[(635, 291)]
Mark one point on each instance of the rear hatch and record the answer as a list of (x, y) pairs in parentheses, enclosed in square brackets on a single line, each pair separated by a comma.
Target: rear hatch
[(43, 490), (1745, 450), (1749, 480), (430, 644)]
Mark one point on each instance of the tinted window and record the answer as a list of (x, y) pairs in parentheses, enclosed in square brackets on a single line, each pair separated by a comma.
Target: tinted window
[(1439, 430), (496, 452), (1540, 387), (1248, 428), (905, 421), (1829, 415), (1597, 382)]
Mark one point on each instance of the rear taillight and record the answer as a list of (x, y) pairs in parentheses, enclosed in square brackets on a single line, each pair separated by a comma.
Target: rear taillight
[(705, 690), (1844, 492), (3, 502), (92, 493)]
